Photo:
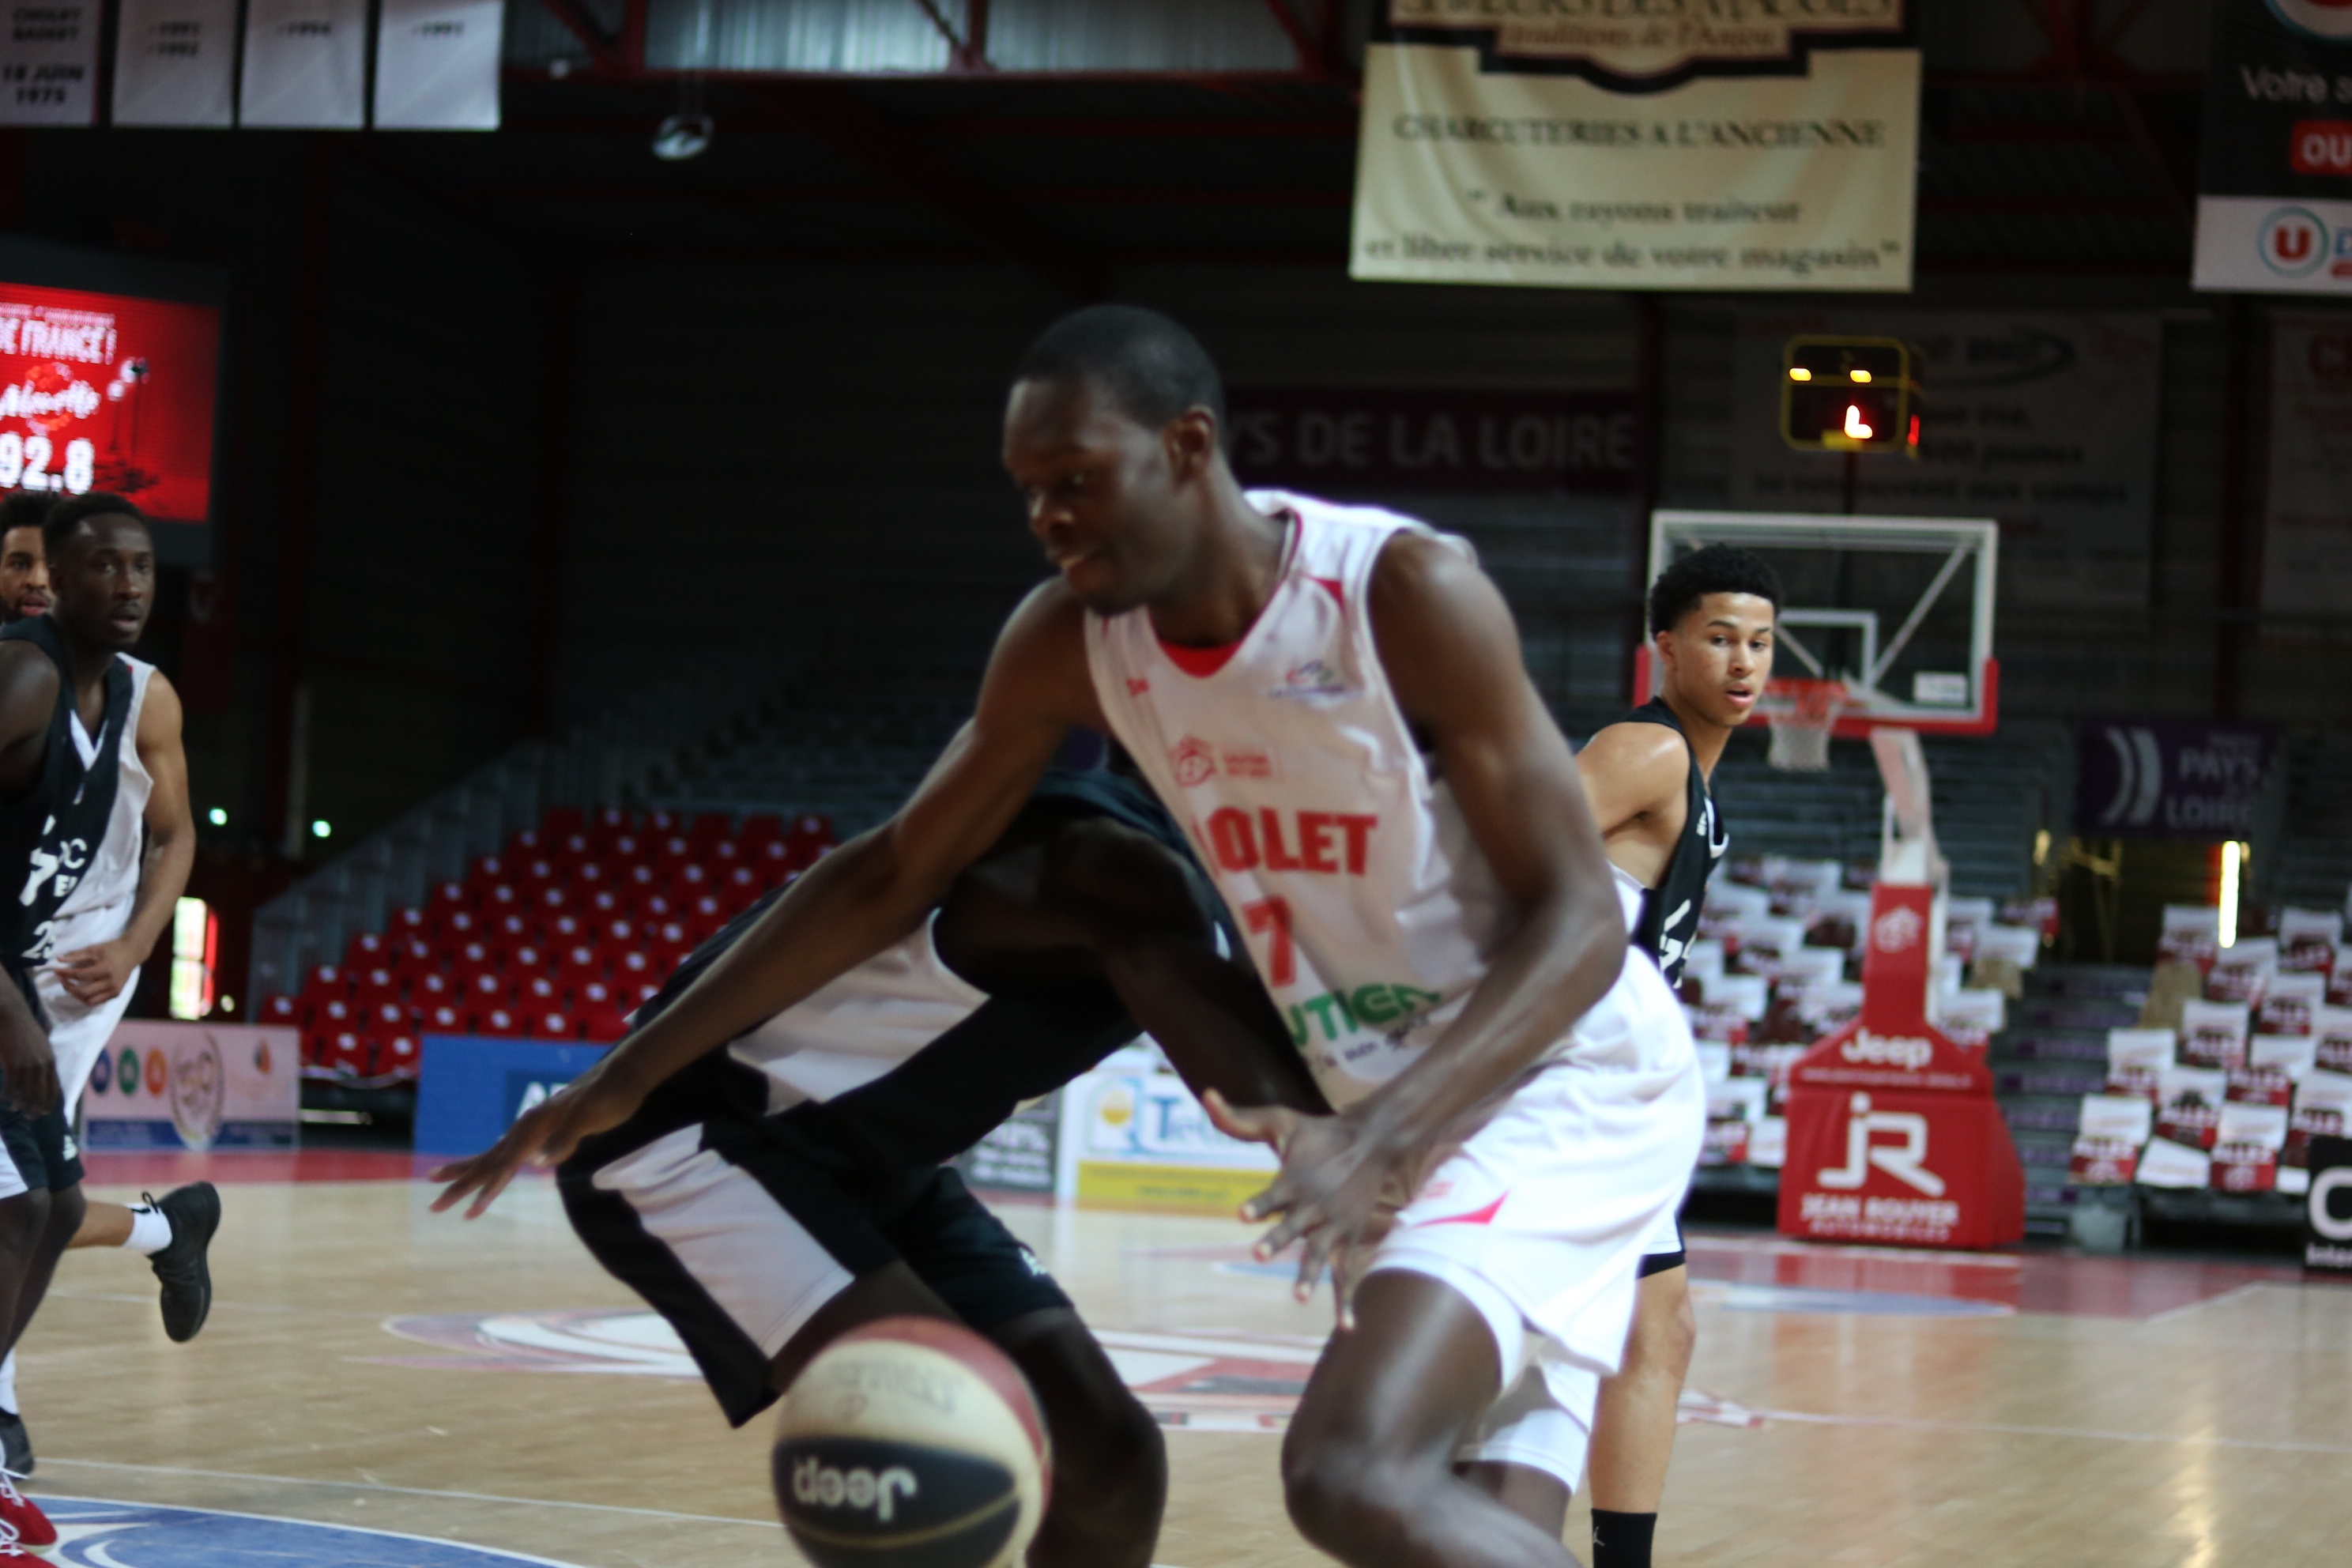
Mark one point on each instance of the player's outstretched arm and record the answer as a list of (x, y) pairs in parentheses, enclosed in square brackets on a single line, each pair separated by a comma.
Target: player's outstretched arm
[(93, 976), (851, 905), (1452, 656), (28, 695)]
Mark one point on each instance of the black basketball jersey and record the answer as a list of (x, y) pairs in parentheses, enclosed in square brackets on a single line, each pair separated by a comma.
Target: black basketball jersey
[(48, 835), (1669, 909)]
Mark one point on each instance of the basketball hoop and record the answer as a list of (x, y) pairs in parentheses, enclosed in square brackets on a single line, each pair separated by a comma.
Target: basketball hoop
[(1801, 732)]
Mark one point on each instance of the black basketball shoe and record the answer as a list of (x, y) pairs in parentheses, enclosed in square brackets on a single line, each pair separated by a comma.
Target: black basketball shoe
[(194, 1212), (15, 1445)]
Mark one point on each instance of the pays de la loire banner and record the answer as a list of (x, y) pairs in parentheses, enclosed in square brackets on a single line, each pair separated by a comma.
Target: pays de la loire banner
[(1736, 144), (2274, 205), (100, 391), (1354, 442)]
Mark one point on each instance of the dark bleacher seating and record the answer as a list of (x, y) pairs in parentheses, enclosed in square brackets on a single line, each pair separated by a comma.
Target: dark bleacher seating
[(559, 937)]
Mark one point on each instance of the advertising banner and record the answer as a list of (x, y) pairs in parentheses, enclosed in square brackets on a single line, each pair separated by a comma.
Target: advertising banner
[(2327, 1207), (2171, 778), (437, 65), (1592, 145), (1019, 1154), (1894, 1135), (2274, 212), (1345, 442), (1136, 1138), (175, 63), (305, 65), (2046, 421), (194, 1086), (471, 1088), (2307, 528), (101, 392), (48, 62)]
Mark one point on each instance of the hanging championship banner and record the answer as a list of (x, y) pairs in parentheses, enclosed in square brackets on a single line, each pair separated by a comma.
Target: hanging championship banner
[(305, 65), (2307, 536), (2273, 205), (48, 62), (175, 63), (1603, 144), (437, 65)]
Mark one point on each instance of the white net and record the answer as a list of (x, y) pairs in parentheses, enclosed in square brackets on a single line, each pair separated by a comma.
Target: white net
[(1800, 734)]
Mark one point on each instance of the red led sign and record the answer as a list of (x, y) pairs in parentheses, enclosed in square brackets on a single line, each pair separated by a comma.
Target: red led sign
[(101, 392)]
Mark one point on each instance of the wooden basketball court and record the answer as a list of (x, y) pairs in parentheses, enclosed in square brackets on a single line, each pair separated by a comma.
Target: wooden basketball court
[(368, 1364)]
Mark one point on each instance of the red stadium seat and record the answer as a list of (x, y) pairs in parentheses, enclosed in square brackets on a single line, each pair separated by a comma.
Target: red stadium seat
[(706, 915), (490, 868), (610, 820), (538, 991), (600, 1013), (549, 898), (761, 828), (560, 930), (525, 843), (711, 826), (374, 986), (500, 896), (409, 921), (637, 967), (640, 879), (386, 1017), (508, 930), (772, 857), (332, 1013), (538, 871), (363, 950), (661, 823), (580, 963), (459, 926), (346, 1054), (690, 879), (553, 1023), (417, 956), (482, 991), (498, 1021), (562, 819), (282, 1011), (723, 853), (397, 1055), (572, 849), (527, 960), (471, 958), (741, 884), (448, 896), (427, 991), (625, 850), (329, 980), (603, 901), (655, 908), (444, 1019), (588, 874)]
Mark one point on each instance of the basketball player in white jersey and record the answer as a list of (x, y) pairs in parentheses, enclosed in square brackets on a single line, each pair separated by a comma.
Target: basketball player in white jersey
[(106, 898), (1711, 617), (1348, 734)]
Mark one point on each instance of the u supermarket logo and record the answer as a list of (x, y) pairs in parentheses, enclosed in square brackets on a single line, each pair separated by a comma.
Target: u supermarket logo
[(2293, 242)]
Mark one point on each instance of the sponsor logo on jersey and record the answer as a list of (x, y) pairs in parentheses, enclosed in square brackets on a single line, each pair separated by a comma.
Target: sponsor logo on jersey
[(1380, 1005), (1331, 843), (1194, 762), (1312, 682)]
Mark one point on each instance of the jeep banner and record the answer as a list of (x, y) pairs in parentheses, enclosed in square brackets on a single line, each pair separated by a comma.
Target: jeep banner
[(1743, 145), (1894, 1135), (2272, 208)]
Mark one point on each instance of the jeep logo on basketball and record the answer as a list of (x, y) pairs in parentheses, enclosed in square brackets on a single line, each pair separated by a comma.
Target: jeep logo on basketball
[(1908, 1052), (821, 1485)]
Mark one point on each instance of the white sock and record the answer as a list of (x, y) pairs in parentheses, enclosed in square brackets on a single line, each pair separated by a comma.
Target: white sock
[(9, 1383), (151, 1233)]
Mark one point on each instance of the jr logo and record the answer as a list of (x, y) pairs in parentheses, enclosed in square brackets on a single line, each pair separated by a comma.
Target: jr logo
[(1904, 1161)]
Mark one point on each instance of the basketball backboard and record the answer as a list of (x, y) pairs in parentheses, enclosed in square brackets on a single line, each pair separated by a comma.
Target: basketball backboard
[(1899, 609)]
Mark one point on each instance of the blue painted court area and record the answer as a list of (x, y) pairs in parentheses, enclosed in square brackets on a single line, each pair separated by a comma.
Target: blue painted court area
[(93, 1534)]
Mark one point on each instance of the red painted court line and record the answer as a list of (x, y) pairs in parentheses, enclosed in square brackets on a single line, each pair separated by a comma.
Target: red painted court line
[(161, 1170)]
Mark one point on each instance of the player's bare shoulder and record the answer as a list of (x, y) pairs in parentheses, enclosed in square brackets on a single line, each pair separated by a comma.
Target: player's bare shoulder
[(1039, 664), (1445, 637), (1644, 759), (159, 714)]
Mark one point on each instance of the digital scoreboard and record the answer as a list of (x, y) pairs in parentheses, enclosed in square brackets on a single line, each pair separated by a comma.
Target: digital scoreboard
[(108, 392)]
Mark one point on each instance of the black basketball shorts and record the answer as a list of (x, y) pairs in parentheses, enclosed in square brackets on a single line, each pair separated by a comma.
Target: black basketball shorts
[(738, 1233), (36, 1153)]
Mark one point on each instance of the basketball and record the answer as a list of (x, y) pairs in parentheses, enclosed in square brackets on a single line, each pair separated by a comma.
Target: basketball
[(911, 1443)]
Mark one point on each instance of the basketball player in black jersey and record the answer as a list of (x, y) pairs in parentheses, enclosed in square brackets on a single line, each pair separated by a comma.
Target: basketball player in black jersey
[(24, 564), (1088, 903), (1711, 624)]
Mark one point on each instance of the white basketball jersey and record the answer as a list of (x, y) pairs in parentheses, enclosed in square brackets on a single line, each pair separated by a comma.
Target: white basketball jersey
[(1368, 911), (114, 875), (860, 1026)]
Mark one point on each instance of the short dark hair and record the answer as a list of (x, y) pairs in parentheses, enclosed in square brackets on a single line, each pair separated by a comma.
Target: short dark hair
[(1150, 365), (26, 508), (69, 514), (1717, 569)]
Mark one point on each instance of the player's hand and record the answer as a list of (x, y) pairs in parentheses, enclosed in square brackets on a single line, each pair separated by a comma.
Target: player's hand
[(92, 975), (546, 1134), (1337, 1192), (31, 1071)]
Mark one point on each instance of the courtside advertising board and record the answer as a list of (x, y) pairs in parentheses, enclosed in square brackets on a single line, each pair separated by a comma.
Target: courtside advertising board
[(195, 1086)]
